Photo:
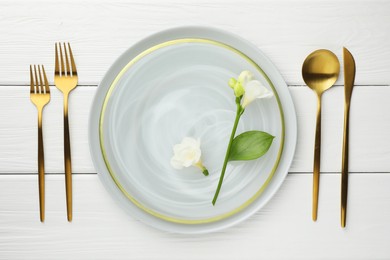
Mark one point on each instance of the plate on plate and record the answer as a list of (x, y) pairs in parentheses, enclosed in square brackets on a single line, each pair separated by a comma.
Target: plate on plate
[(171, 85)]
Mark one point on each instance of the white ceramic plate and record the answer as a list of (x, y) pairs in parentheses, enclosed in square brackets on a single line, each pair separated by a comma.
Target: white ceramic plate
[(174, 84)]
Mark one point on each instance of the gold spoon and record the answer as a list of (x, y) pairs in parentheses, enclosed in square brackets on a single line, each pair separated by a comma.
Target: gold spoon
[(320, 71)]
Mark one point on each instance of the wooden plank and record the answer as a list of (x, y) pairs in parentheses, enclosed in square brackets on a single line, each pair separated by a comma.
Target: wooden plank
[(368, 137), (369, 116), (18, 131), (281, 230), (286, 31)]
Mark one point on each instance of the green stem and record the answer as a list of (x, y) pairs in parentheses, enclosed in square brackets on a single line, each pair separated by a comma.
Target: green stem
[(239, 112), (202, 168)]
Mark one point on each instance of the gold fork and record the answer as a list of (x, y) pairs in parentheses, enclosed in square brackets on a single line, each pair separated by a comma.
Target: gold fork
[(40, 96), (65, 79)]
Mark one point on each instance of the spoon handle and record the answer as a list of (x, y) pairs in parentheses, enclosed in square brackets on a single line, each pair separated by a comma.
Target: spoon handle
[(317, 157)]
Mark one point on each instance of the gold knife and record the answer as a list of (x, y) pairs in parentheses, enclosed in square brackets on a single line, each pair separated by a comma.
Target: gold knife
[(349, 79)]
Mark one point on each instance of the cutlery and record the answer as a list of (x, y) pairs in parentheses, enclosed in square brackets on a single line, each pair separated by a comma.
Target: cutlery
[(40, 96), (320, 71), (349, 78), (65, 79)]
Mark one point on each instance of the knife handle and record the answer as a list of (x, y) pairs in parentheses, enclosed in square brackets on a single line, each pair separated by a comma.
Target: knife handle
[(344, 167)]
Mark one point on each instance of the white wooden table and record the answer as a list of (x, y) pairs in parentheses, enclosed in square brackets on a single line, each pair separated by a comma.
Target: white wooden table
[(286, 31)]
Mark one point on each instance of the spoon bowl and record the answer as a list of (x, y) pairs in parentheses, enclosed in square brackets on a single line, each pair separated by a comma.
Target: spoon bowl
[(320, 71)]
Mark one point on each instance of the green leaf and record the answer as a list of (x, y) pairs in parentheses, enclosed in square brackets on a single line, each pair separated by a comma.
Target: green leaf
[(250, 145)]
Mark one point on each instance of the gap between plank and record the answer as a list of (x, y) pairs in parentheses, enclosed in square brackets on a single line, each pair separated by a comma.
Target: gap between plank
[(290, 85), (93, 173)]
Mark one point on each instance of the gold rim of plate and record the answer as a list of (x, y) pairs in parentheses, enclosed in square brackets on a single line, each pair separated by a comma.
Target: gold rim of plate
[(107, 163)]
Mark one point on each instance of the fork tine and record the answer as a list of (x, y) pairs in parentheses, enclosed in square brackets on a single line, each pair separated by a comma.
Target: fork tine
[(62, 68), (47, 89), (37, 89), (57, 64), (32, 88), (74, 70), (67, 61), (41, 87)]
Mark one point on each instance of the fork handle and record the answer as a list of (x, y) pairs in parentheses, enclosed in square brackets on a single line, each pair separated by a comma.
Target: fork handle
[(41, 168), (67, 160)]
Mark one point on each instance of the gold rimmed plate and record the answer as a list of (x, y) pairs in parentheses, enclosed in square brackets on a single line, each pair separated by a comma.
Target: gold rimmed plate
[(171, 85)]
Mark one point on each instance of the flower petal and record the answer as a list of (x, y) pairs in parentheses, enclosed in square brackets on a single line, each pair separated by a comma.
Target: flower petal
[(245, 77), (190, 142), (239, 90), (176, 164), (232, 82), (253, 90)]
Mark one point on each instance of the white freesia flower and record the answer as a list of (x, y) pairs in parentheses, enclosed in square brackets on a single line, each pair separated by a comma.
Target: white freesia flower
[(253, 88), (246, 89), (188, 153)]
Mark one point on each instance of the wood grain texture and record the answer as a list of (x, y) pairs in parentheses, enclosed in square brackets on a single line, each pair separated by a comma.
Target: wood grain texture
[(281, 230), (286, 31), (369, 124)]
